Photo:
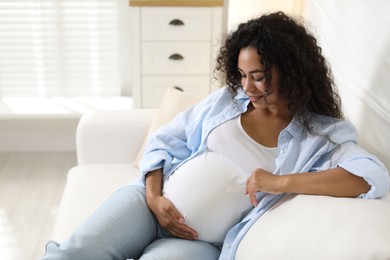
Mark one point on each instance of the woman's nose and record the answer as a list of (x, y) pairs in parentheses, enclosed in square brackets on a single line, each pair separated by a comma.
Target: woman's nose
[(247, 84)]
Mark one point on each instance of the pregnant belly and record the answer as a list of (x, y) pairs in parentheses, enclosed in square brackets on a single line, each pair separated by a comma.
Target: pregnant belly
[(210, 194)]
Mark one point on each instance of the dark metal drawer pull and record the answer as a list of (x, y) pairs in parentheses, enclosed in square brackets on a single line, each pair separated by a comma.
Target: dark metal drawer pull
[(178, 88), (176, 22), (176, 57)]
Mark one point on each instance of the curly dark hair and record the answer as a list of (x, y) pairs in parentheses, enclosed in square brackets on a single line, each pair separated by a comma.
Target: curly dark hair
[(281, 41)]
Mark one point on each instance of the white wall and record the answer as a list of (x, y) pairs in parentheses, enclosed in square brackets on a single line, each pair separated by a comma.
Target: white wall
[(243, 10), (355, 36)]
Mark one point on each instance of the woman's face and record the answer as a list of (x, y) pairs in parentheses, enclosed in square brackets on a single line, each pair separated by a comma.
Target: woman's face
[(253, 80)]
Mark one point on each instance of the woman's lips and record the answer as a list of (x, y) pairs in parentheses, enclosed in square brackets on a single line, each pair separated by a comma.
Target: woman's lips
[(254, 99)]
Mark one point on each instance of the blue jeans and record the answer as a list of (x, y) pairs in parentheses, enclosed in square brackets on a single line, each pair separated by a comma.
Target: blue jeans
[(124, 228)]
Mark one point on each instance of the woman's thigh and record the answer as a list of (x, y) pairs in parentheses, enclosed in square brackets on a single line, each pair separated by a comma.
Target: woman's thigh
[(180, 249), (121, 228)]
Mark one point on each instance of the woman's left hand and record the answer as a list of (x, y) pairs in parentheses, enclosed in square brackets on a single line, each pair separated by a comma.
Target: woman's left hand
[(262, 181)]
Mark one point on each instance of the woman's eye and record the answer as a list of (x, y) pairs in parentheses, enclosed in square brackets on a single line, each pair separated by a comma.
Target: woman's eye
[(259, 79)]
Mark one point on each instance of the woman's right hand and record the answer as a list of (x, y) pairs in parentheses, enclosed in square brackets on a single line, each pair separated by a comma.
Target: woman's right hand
[(170, 218)]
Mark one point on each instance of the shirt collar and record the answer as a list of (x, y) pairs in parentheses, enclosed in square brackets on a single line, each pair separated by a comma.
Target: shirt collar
[(295, 128), (241, 94)]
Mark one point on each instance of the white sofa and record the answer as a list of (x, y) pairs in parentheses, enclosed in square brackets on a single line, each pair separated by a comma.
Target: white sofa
[(301, 227)]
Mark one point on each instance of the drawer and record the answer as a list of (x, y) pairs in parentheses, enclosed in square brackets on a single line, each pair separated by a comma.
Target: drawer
[(176, 23), (175, 58), (153, 88)]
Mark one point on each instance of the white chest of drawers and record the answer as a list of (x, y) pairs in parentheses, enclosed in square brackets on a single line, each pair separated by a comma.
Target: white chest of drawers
[(173, 46)]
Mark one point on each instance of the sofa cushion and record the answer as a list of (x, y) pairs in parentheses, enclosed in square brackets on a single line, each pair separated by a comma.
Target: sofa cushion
[(87, 187), (320, 227), (174, 102)]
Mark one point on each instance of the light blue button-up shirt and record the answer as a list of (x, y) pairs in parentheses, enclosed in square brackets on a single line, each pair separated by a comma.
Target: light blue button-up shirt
[(334, 144)]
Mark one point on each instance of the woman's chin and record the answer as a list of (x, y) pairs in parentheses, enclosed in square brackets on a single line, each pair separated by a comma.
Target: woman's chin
[(260, 104)]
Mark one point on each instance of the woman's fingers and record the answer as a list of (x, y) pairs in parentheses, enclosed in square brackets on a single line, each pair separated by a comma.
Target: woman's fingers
[(262, 181), (179, 227), (251, 189), (172, 221)]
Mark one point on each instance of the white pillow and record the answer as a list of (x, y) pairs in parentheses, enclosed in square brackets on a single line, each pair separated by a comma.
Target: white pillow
[(210, 194), (174, 101), (306, 227)]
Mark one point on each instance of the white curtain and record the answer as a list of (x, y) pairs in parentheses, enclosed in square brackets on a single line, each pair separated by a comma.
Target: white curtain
[(60, 48)]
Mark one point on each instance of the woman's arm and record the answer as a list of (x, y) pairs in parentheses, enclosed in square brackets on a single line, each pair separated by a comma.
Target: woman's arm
[(335, 182), (166, 213), (176, 141)]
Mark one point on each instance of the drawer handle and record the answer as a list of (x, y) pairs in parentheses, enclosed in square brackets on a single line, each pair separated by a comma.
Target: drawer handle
[(178, 88), (176, 22), (176, 57)]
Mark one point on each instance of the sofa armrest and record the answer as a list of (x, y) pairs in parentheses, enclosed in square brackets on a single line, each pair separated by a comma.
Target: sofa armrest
[(111, 136), (309, 227)]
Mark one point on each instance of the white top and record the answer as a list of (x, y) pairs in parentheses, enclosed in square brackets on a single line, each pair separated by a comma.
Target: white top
[(231, 141), (209, 190)]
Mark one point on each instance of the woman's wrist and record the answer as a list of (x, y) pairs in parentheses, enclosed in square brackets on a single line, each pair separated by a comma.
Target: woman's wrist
[(153, 185), (283, 184)]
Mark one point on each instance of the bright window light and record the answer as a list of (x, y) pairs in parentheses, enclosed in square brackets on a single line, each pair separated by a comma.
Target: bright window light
[(34, 105), (71, 104), (101, 103), (62, 105)]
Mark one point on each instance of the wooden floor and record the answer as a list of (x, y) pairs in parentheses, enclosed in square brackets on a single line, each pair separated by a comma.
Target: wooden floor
[(31, 186)]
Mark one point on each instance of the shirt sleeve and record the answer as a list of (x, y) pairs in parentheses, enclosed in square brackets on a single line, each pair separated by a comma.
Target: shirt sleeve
[(166, 146), (178, 140), (360, 163), (347, 154)]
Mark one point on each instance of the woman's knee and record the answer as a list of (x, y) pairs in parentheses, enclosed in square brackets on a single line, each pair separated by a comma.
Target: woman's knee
[(179, 249), (122, 226)]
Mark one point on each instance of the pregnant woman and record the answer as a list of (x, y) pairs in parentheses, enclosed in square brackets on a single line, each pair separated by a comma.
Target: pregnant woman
[(276, 128)]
